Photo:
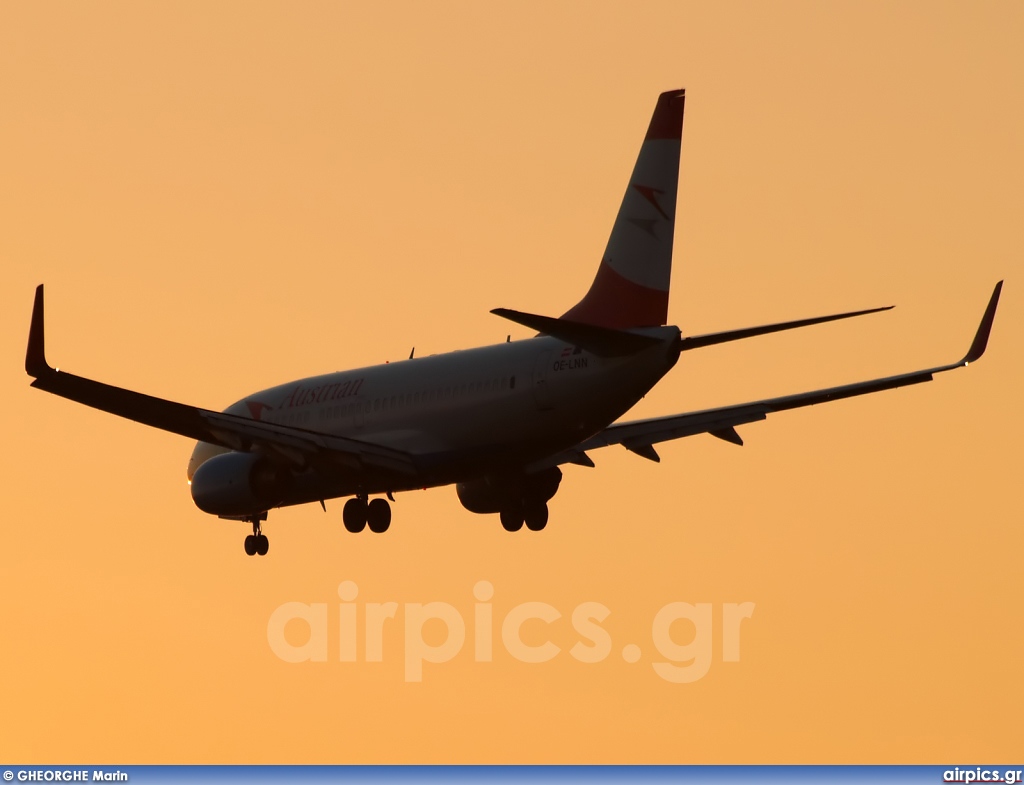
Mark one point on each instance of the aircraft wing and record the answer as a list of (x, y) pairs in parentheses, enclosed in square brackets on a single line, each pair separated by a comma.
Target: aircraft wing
[(640, 436), (296, 446)]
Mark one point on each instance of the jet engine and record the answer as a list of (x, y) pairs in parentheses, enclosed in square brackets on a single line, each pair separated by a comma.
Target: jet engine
[(493, 494), (239, 483)]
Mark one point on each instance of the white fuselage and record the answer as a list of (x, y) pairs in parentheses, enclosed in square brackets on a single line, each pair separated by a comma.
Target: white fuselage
[(465, 413)]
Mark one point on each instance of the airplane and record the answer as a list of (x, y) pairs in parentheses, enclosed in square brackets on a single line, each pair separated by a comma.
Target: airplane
[(497, 421)]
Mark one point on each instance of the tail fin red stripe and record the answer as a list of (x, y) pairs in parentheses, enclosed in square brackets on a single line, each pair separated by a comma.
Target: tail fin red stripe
[(614, 301)]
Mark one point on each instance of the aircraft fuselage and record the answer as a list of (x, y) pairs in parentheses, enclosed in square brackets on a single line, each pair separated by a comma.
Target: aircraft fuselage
[(461, 415)]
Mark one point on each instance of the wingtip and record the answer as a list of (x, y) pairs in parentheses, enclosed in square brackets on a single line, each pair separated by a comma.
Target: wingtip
[(980, 342), (35, 355)]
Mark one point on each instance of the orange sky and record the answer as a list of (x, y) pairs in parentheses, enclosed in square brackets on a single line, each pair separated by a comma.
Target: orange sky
[(223, 197)]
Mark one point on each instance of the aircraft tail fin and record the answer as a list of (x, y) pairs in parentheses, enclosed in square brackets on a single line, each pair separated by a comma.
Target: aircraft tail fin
[(632, 281)]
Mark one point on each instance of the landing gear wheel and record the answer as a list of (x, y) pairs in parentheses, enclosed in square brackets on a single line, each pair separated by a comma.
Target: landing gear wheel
[(378, 515), (512, 519), (257, 542), (536, 516), (354, 515)]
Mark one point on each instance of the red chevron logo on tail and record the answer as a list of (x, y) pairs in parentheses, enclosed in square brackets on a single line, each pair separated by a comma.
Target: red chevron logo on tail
[(648, 193)]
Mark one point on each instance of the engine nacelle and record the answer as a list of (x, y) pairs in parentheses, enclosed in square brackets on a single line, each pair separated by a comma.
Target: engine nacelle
[(491, 494), (239, 483)]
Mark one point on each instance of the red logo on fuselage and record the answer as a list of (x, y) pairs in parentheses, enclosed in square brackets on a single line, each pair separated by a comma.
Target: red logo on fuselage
[(256, 409)]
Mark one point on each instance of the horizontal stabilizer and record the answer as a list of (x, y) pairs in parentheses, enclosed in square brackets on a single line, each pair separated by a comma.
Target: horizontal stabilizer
[(697, 341), (602, 341)]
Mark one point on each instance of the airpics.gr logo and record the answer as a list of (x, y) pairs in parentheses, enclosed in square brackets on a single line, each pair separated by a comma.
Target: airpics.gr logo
[(679, 663)]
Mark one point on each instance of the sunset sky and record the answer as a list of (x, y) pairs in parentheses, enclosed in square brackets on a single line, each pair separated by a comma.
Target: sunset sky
[(221, 197)]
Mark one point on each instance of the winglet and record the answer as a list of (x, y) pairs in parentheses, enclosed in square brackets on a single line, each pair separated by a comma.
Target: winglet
[(981, 337), (35, 357)]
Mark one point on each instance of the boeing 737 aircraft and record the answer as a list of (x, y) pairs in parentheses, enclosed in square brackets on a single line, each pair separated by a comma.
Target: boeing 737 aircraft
[(497, 421)]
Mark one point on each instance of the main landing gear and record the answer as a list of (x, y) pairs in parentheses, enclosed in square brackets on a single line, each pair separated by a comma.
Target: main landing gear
[(257, 542), (359, 513), (533, 514)]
